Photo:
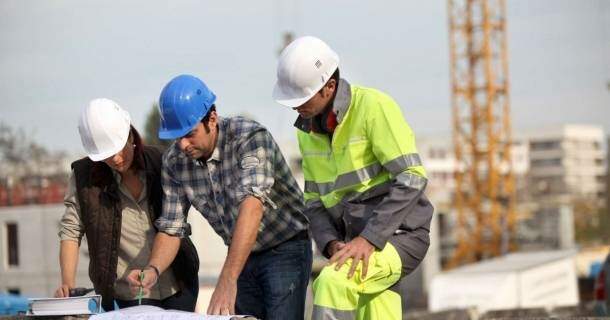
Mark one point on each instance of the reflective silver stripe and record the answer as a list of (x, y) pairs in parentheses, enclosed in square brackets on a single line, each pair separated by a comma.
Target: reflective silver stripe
[(314, 203), (326, 313), (412, 180), (321, 188), (357, 176), (395, 167), (311, 186), (345, 180), (403, 162), (375, 191), (325, 188)]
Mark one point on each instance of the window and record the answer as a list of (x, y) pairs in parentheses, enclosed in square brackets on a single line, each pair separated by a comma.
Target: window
[(437, 153), (12, 240), (544, 145), (15, 291), (546, 162)]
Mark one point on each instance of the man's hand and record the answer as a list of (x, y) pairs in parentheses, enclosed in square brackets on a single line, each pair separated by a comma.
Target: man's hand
[(223, 298), (334, 246), (359, 249), (244, 236), (63, 291), (150, 278)]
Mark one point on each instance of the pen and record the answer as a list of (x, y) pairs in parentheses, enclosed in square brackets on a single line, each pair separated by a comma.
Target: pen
[(141, 291)]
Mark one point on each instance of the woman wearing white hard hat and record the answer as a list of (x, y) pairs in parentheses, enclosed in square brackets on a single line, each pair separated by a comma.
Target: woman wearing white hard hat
[(113, 198)]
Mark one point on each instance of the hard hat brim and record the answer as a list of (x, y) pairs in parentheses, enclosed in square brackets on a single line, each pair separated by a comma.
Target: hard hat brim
[(284, 99), (174, 134), (102, 156)]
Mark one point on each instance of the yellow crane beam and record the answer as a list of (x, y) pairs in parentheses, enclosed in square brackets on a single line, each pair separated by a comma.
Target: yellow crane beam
[(485, 192)]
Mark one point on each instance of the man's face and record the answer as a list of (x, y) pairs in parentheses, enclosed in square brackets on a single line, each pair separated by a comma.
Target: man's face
[(123, 159), (200, 142), (318, 102)]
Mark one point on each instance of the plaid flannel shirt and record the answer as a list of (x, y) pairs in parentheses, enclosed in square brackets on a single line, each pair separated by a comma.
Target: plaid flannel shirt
[(245, 162)]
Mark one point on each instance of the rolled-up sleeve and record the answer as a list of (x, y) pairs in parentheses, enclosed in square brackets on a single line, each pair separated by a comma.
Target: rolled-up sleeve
[(256, 170), (70, 226), (175, 203)]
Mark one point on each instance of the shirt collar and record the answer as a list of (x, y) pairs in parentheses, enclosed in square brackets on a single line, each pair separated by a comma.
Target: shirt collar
[(220, 140), (119, 179), (343, 98), (341, 103)]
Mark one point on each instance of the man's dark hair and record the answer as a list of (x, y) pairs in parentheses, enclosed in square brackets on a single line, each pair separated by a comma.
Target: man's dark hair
[(206, 119), (335, 75)]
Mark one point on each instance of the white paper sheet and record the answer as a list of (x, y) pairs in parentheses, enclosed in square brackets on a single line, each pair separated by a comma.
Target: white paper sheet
[(156, 313)]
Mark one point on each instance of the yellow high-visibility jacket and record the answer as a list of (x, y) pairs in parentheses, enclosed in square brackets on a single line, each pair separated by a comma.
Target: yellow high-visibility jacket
[(366, 178)]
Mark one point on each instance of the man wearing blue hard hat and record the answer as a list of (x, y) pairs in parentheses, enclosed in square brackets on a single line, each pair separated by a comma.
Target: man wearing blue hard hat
[(231, 171)]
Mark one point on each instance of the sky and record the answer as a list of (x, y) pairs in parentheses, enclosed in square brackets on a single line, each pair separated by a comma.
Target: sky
[(56, 56)]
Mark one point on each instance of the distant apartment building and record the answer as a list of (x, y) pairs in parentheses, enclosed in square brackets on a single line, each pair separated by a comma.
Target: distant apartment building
[(29, 251), (552, 169), (555, 165), (567, 164), (439, 160)]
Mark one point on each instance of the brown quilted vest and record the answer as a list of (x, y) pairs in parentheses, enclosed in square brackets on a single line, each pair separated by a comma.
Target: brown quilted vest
[(100, 211)]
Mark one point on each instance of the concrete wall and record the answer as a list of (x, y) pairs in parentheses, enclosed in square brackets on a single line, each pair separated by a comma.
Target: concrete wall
[(38, 272)]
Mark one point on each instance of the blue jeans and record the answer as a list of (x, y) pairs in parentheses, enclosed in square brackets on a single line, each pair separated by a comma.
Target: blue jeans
[(273, 283)]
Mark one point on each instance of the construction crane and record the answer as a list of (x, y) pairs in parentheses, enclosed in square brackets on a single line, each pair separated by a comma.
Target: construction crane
[(485, 192)]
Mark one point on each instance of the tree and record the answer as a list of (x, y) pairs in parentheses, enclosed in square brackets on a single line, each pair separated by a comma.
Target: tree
[(28, 168), (151, 128)]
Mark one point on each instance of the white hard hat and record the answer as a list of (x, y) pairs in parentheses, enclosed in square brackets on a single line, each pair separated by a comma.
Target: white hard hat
[(104, 128), (304, 67)]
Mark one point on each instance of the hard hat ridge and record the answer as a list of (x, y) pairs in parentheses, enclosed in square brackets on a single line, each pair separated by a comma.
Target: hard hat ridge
[(104, 128), (183, 102), (304, 67)]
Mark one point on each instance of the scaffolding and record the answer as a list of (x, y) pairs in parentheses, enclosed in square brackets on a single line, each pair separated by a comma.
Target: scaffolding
[(485, 192)]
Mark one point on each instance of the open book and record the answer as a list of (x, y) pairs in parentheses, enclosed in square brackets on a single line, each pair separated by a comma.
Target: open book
[(65, 306), (156, 313)]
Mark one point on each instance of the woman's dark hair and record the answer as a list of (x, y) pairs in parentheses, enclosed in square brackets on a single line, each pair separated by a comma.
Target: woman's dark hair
[(138, 157)]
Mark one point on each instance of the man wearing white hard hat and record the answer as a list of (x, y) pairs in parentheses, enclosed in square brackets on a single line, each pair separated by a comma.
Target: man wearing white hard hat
[(114, 195), (364, 184)]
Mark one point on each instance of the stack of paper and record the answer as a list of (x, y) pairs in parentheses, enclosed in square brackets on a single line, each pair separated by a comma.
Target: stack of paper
[(65, 306), (156, 313)]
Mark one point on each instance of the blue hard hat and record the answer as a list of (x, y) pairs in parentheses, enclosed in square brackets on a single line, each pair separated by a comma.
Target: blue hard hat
[(184, 101)]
